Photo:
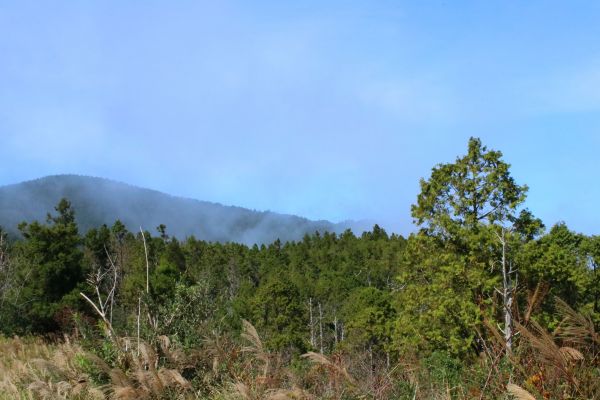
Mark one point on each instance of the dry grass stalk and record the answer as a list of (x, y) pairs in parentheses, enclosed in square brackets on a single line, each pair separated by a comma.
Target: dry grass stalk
[(337, 367), (125, 393), (546, 349), (563, 368), (243, 391), (535, 299), (339, 380), (284, 394), (571, 354), (575, 327), (256, 347), (518, 392), (248, 386), (36, 370)]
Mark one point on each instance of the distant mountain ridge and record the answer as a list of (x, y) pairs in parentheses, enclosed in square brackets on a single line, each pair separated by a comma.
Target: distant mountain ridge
[(100, 201)]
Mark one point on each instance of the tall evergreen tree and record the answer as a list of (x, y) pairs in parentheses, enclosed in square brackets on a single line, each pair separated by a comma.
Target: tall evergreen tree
[(468, 210), (55, 270)]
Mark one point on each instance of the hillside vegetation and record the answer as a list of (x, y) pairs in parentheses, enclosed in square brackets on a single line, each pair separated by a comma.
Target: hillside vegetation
[(481, 303), (98, 201)]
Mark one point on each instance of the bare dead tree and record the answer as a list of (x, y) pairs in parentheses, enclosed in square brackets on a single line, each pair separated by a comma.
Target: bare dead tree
[(233, 278), (147, 263), (335, 328), (104, 282), (321, 327), (509, 279), (3, 250), (113, 274), (313, 341), (138, 324), (152, 320), (102, 313), (5, 274)]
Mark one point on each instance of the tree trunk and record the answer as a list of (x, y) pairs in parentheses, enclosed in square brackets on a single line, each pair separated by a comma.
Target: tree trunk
[(335, 328), (507, 295), (321, 326), (312, 324)]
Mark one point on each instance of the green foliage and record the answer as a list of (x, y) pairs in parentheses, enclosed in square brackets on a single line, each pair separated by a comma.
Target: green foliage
[(444, 369), (190, 314), (466, 210), (381, 300), (163, 280), (97, 375), (560, 259), (54, 268), (369, 319), (475, 189), (278, 312), (591, 247), (436, 308)]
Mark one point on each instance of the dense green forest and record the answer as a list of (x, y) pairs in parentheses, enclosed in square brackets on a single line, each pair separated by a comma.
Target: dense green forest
[(481, 301)]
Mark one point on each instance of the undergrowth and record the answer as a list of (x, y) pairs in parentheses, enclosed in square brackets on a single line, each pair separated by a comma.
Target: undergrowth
[(563, 364)]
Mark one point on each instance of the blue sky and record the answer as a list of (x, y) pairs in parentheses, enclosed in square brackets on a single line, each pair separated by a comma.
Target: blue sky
[(329, 110)]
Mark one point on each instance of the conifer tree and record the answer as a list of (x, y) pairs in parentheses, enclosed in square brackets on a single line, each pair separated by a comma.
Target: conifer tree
[(54, 252)]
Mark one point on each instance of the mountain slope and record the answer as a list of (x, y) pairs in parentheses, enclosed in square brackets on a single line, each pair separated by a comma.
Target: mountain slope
[(100, 201)]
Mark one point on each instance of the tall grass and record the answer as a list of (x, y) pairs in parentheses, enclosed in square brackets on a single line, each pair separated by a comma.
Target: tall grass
[(34, 369), (563, 364)]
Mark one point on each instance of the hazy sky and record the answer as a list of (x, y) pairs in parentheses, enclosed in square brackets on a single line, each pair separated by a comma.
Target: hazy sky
[(328, 110)]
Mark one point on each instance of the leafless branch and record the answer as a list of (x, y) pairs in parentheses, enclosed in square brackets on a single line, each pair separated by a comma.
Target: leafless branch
[(147, 264)]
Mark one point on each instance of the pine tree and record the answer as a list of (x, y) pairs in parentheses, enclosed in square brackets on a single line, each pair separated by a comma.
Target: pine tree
[(55, 256)]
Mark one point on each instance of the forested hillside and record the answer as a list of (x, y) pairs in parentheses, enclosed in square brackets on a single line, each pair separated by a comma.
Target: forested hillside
[(483, 301), (98, 201)]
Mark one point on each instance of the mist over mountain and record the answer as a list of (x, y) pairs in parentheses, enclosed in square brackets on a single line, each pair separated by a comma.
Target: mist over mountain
[(98, 201)]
